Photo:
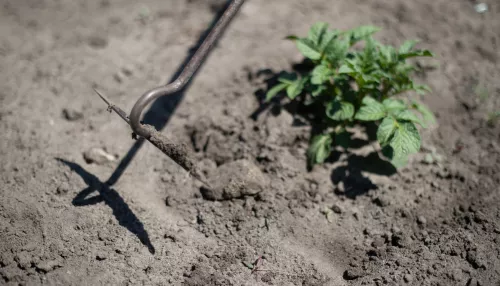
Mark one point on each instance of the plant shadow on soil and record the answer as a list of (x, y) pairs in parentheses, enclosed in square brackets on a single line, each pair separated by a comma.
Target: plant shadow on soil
[(351, 173), (158, 115)]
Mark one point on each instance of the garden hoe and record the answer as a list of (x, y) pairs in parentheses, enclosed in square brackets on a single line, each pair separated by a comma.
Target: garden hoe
[(177, 152)]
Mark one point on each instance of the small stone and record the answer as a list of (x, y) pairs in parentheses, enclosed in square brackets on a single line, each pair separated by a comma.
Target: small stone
[(171, 201), (62, 189), (408, 278), (336, 209), (71, 114), (421, 220), (97, 156), (352, 274), (101, 256), (381, 202)]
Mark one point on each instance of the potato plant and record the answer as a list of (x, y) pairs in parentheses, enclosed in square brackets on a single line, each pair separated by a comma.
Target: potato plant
[(354, 79)]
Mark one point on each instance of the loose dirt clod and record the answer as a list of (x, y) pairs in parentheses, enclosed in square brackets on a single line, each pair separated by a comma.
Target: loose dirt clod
[(236, 179)]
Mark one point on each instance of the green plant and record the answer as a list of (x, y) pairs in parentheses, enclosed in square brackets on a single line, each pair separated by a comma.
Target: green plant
[(493, 117), (349, 85)]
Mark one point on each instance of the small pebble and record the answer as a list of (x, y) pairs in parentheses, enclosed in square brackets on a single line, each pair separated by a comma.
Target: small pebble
[(421, 220), (352, 274), (97, 156), (72, 114), (408, 278), (336, 209)]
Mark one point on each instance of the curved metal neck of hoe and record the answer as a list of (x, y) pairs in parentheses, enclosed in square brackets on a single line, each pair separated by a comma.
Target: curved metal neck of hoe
[(186, 74)]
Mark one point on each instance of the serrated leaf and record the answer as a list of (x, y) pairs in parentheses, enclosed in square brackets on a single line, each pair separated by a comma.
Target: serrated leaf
[(336, 50), (388, 55), (317, 31), (327, 38), (360, 33), (319, 149), (340, 110), (309, 49), (416, 53), (370, 50), (392, 105), (296, 88), (371, 110), (406, 140), (407, 46), (386, 130), (427, 114), (320, 74), (275, 90)]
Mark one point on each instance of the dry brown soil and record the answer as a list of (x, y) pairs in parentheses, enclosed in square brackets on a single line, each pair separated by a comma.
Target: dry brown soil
[(140, 220)]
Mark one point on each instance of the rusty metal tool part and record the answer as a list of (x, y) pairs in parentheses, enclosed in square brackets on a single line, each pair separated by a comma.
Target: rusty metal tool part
[(176, 152)]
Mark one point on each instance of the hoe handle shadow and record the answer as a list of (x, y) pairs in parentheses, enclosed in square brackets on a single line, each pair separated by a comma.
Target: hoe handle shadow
[(122, 212)]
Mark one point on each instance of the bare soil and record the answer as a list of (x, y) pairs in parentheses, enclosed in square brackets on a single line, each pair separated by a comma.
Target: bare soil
[(69, 219)]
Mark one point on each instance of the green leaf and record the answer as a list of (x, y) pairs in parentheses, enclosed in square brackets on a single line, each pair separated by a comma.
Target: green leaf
[(392, 105), (407, 115), (416, 53), (407, 46), (275, 90), (388, 55), (361, 33), (386, 130), (422, 88), (316, 90), (427, 114), (336, 50), (286, 77), (370, 51), (247, 265), (296, 88), (320, 74), (316, 32), (345, 69), (327, 39), (292, 38), (319, 149), (405, 141), (371, 110), (309, 49), (340, 110)]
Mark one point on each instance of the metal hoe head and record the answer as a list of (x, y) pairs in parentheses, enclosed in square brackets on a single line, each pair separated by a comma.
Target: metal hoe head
[(177, 152)]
